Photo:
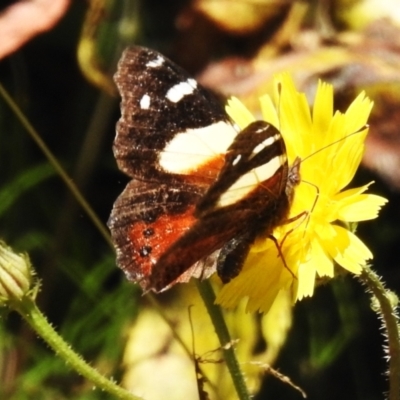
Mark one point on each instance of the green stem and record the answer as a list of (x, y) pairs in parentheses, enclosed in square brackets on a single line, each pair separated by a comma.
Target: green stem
[(208, 296), (56, 165), (29, 311), (390, 319)]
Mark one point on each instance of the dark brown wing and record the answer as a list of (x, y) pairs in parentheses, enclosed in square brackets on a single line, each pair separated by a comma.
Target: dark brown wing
[(159, 101)]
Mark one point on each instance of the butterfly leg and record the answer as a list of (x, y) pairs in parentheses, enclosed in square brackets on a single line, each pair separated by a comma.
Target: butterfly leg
[(290, 220), (279, 248), (302, 214)]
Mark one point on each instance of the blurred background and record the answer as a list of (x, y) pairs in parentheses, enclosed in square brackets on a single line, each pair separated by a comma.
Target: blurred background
[(60, 76)]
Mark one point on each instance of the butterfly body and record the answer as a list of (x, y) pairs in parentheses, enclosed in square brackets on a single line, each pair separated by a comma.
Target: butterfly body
[(201, 190)]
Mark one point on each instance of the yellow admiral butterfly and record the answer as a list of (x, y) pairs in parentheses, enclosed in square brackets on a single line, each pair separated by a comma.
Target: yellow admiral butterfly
[(202, 191)]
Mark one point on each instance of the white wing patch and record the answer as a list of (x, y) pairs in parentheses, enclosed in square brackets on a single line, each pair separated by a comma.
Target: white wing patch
[(156, 63), (180, 90), (145, 102), (248, 182), (193, 148)]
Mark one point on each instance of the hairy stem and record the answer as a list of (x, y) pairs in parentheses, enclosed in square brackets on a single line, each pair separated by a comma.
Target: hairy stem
[(29, 311), (386, 309)]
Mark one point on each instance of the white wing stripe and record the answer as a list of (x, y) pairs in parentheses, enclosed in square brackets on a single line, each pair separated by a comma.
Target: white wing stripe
[(180, 90), (248, 182)]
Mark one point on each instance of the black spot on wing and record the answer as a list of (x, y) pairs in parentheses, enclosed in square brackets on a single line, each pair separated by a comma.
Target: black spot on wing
[(133, 222), (148, 232)]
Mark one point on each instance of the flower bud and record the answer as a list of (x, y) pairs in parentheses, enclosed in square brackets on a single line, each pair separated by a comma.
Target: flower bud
[(15, 274)]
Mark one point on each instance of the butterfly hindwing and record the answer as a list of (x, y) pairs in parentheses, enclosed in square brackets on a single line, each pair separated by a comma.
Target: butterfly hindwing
[(146, 219)]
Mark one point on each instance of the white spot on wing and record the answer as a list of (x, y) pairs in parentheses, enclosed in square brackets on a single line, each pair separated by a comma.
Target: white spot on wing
[(192, 82), (145, 102), (265, 143), (237, 159), (193, 148), (156, 63), (180, 90), (248, 182)]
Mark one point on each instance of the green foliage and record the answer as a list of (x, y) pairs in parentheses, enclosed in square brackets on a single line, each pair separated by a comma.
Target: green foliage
[(87, 300)]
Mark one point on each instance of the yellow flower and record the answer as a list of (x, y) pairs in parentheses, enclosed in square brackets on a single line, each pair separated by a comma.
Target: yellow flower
[(316, 235)]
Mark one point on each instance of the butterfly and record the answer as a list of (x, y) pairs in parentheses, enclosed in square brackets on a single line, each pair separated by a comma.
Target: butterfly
[(202, 190)]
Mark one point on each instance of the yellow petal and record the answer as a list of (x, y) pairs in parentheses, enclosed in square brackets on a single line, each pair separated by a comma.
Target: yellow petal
[(323, 262), (262, 277), (323, 107), (239, 113), (358, 112), (361, 208), (350, 158), (260, 284), (346, 194), (306, 281), (294, 116), (349, 252), (268, 111)]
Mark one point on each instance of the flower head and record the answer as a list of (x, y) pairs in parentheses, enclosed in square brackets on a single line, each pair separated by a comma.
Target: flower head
[(15, 275), (316, 234)]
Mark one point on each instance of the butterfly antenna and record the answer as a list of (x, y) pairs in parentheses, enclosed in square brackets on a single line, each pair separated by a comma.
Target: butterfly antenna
[(315, 186), (335, 142)]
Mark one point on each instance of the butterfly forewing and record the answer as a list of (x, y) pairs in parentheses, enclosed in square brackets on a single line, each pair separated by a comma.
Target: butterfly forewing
[(169, 125)]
